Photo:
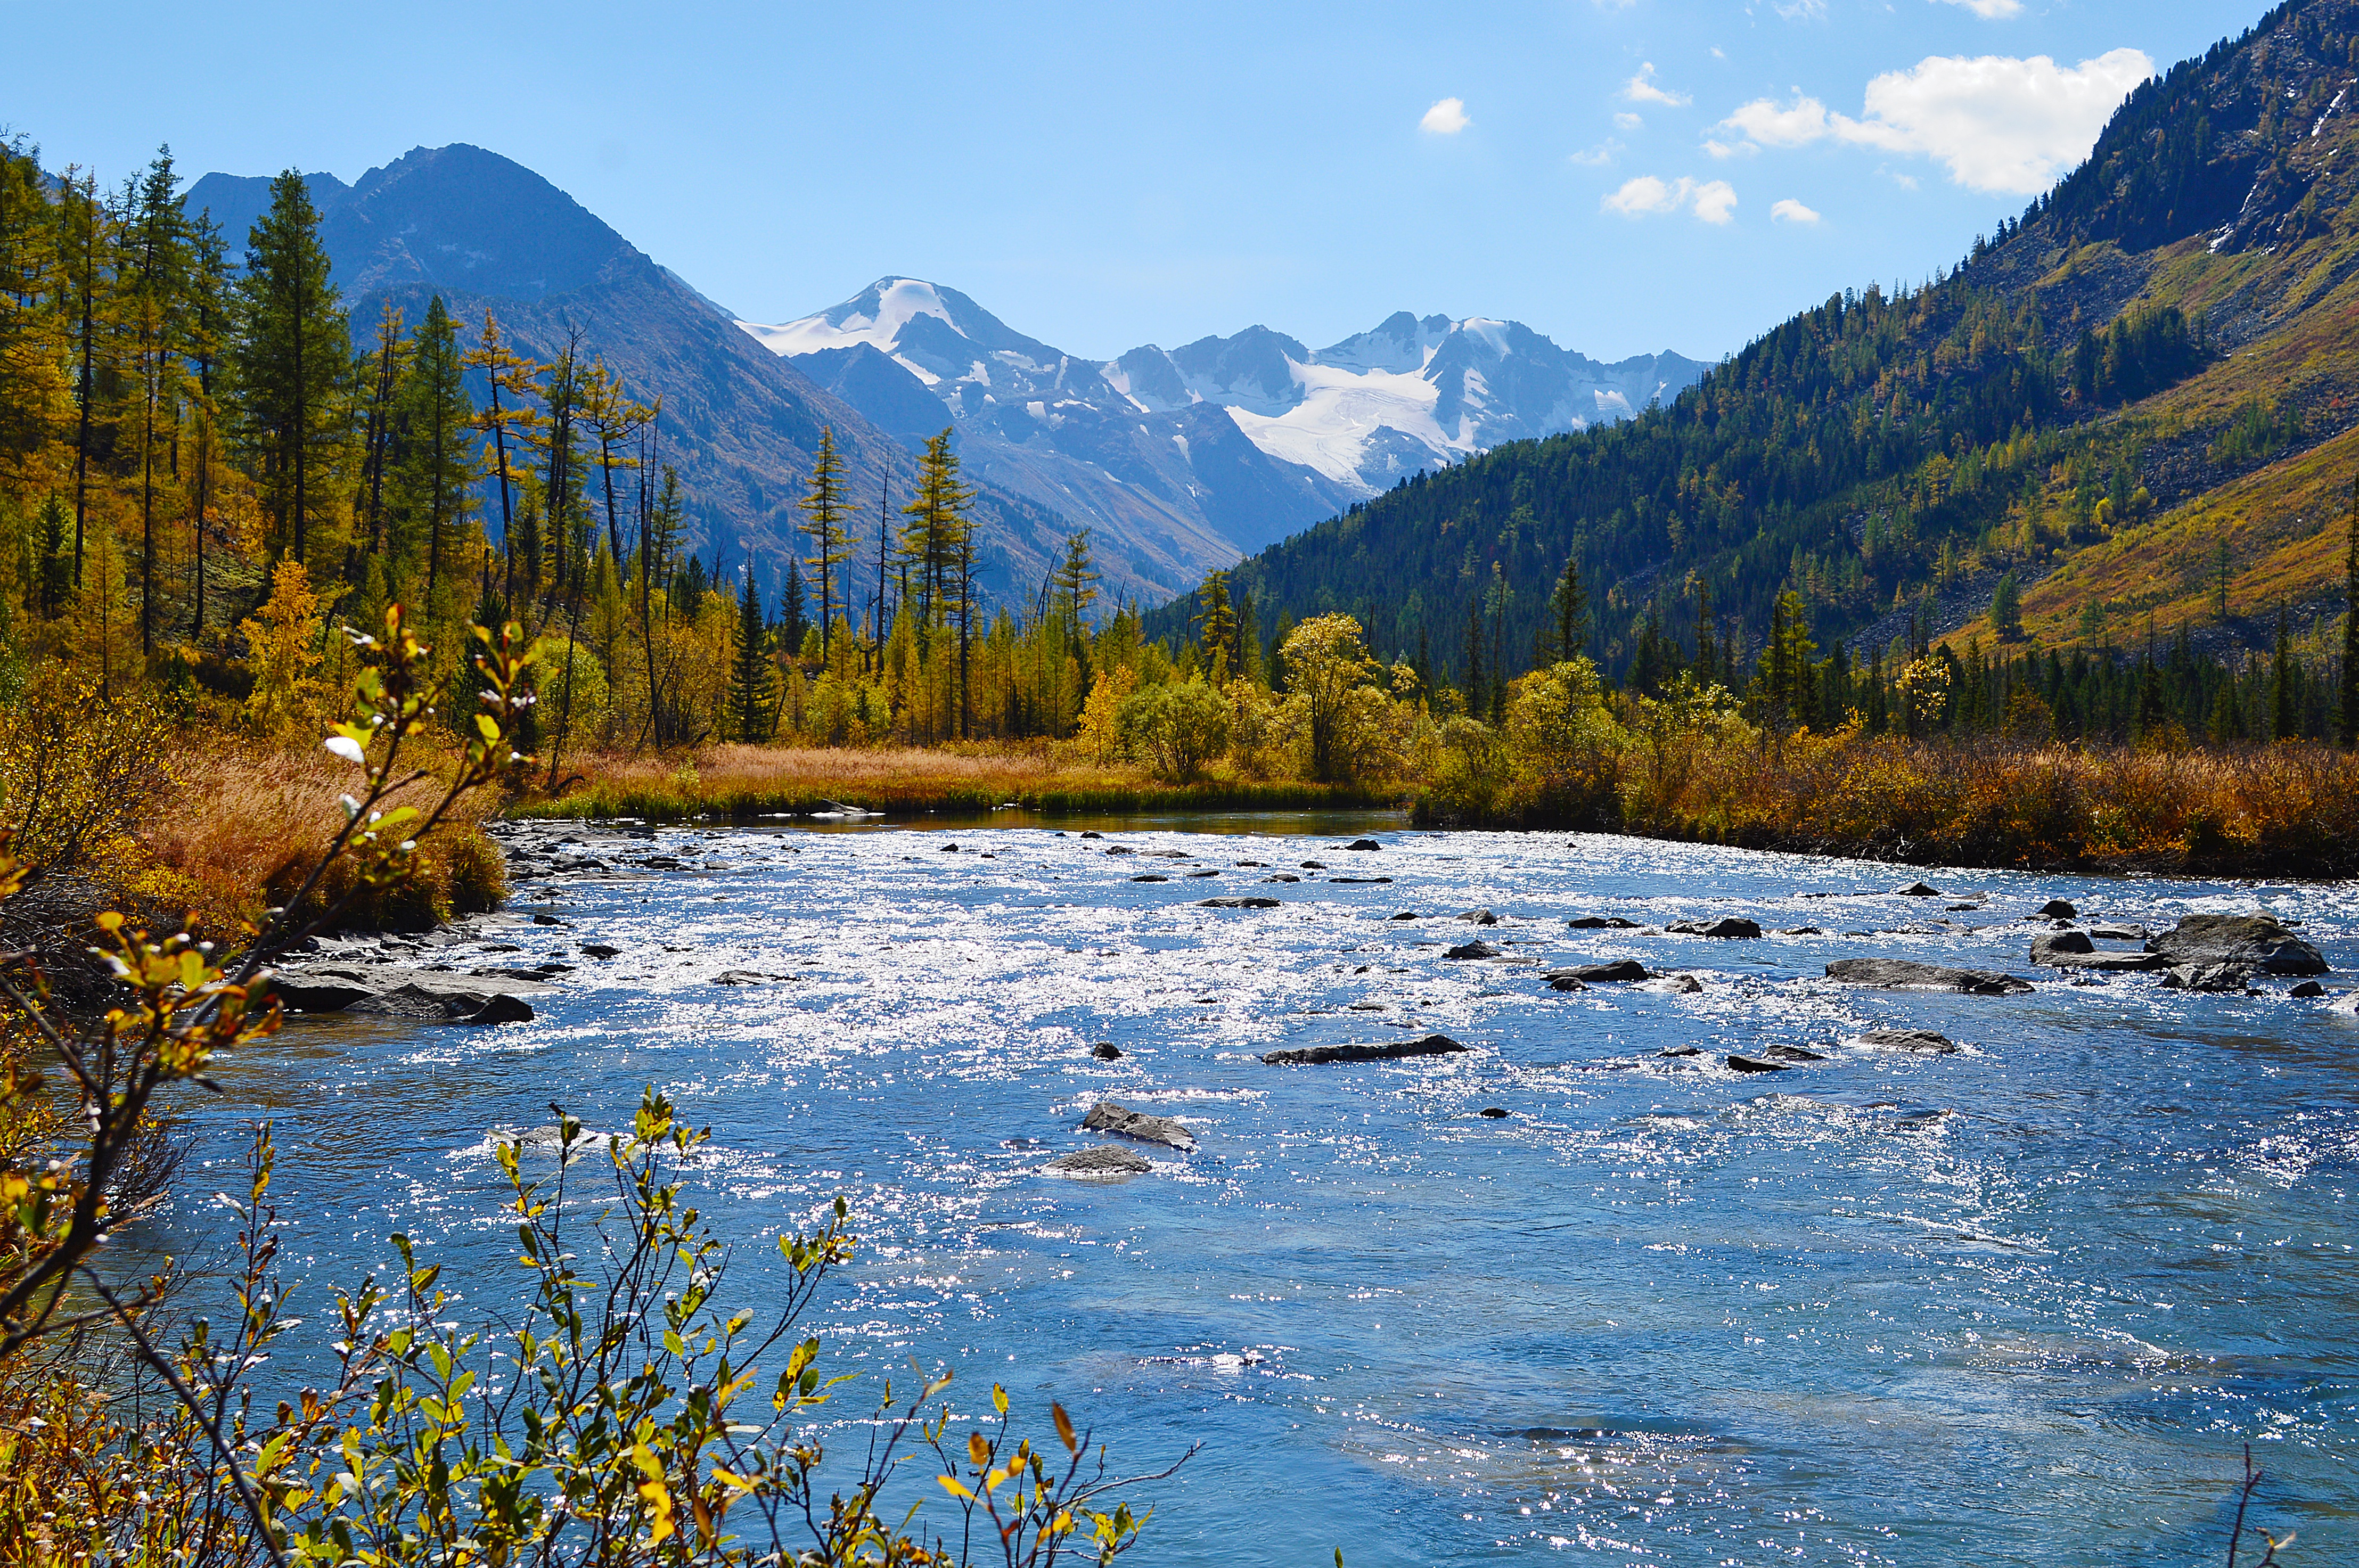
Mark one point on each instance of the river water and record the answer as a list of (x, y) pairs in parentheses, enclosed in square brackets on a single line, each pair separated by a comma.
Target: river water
[(2021, 1303)]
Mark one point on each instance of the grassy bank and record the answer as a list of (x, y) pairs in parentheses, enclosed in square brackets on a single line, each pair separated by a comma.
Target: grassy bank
[(2288, 810), (742, 783)]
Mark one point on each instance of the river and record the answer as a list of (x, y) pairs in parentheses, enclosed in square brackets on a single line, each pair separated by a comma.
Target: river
[(2020, 1304)]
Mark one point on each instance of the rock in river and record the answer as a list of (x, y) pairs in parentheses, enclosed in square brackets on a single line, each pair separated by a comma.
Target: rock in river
[(1236, 903), (390, 991), (1475, 949), (1479, 917), (2308, 988), (1391, 1051), (1909, 1040), (2228, 977), (1107, 1116), (1672, 985), (1106, 1050), (1106, 1160), (2258, 941), (1728, 928), (2073, 950), (1595, 974), (1363, 844), (1757, 1065), (1919, 890), (1901, 974), (1601, 922)]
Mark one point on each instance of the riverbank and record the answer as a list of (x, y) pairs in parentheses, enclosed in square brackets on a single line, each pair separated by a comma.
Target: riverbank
[(745, 783), (2287, 811)]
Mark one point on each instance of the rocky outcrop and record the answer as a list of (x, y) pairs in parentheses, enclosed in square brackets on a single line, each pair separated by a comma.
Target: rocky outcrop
[(2257, 942), (1108, 1116), (1391, 1051), (1903, 974)]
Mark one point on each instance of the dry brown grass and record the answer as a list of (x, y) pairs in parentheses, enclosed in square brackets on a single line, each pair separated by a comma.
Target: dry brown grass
[(240, 829), (2289, 810)]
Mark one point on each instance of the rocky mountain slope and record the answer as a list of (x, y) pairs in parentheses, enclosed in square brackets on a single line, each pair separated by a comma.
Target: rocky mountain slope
[(740, 424), (2137, 398), (1239, 441)]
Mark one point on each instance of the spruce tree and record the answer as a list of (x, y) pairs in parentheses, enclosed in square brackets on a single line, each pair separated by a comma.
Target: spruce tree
[(1566, 626), (292, 351), (2007, 608), (827, 518), (1217, 626), (753, 680), (155, 304)]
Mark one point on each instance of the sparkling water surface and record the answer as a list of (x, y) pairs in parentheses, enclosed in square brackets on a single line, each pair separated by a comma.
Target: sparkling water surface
[(2022, 1303)]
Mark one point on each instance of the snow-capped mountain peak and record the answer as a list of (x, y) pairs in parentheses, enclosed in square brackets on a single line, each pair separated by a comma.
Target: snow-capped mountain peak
[(1140, 437)]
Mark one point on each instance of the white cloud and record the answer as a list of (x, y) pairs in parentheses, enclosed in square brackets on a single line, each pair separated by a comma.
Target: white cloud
[(1802, 10), (1446, 118), (1991, 10), (1599, 156), (1713, 201), (2000, 124), (1642, 89), (1628, 122), (1785, 209), (1719, 148)]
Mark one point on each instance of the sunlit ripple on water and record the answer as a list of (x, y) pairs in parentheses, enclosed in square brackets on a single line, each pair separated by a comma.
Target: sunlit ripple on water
[(2020, 1303)]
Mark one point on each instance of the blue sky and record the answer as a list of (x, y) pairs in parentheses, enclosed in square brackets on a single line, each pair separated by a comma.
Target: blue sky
[(1102, 175)]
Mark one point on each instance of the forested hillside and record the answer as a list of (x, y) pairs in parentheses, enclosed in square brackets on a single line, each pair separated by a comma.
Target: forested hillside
[(2159, 341)]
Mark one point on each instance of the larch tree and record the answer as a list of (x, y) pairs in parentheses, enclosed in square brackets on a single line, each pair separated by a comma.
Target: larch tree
[(390, 364), (154, 284), (434, 473), (207, 335), (506, 427), (291, 351), (827, 517)]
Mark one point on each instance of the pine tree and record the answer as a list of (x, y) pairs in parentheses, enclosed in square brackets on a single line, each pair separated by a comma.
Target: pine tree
[(292, 348), (752, 679), (433, 487), (827, 517)]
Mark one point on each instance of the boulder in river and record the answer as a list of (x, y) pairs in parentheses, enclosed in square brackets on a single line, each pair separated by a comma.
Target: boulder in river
[(500, 1008), (1475, 949), (1601, 922), (1282, 877), (1672, 985), (1621, 969), (2224, 977), (1728, 927), (600, 950), (1363, 844), (1919, 890), (2308, 988), (1106, 1050), (1236, 903), (1151, 876), (1106, 1160), (2257, 941), (744, 978), (2050, 947), (386, 990), (1480, 918), (2056, 910), (1493, 1113), (1391, 1051), (1565, 982), (1107, 1116), (1120, 849), (1903, 974), (1358, 881), (1924, 1040), (1404, 915), (1757, 1065)]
